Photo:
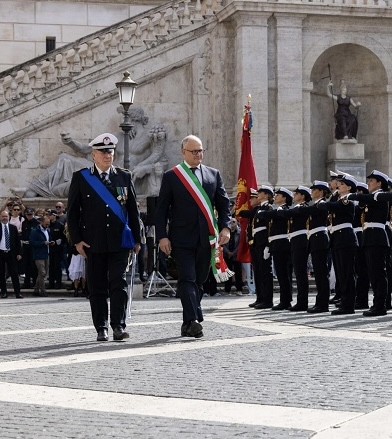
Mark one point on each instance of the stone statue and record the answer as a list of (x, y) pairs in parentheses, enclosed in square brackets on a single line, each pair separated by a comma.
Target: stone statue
[(346, 122), (148, 160)]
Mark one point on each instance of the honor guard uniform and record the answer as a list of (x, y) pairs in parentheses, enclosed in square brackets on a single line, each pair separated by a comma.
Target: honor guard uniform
[(279, 246), (374, 239), (319, 245), (103, 223), (258, 243), (298, 238), (333, 185), (343, 242), (362, 284)]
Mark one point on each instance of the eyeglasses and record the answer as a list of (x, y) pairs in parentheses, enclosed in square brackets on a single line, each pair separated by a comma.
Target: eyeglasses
[(195, 151), (16, 210), (59, 207)]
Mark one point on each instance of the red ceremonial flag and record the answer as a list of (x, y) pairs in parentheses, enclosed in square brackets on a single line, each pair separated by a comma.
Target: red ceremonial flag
[(246, 180)]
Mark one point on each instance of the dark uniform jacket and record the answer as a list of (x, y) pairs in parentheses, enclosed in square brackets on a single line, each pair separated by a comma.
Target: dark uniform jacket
[(278, 226), (91, 220), (188, 226), (316, 218), (27, 226), (374, 212), (341, 212), (57, 232), (256, 220), (297, 222)]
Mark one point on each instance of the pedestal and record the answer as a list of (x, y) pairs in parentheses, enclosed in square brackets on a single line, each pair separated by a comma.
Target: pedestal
[(347, 157)]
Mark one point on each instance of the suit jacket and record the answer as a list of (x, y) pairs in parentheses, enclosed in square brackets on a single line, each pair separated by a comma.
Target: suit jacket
[(37, 243), (15, 244), (187, 224), (91, 220)]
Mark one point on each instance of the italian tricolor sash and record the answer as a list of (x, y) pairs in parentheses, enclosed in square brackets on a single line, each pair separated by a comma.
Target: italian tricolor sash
[(193, 186)]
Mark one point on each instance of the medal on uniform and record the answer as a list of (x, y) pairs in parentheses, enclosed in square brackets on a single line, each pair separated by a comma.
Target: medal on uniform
[(120, 196)]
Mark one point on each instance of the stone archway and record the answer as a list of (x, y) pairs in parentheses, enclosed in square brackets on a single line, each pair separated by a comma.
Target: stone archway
[(366, 79)]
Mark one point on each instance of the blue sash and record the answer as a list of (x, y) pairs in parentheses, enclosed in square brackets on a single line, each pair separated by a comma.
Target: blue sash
[(127, 239)]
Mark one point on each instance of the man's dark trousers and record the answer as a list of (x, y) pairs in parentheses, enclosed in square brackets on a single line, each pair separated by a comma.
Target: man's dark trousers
[(193, 265), (107, 271)]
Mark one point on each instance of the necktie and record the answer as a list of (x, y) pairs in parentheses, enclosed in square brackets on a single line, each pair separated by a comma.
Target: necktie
[(7, 237), (104, 177), (193, 170)]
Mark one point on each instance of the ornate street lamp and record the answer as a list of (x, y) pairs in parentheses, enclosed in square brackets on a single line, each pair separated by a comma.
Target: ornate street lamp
[(126, 91)]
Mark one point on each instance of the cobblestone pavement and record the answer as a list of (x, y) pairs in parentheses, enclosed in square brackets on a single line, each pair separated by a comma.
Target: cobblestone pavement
[(255, 374)]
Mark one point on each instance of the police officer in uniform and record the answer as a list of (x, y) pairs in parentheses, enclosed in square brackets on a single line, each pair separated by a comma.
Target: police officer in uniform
[(99, 233), (279, 246), (298, 236), (258, 229), (343, 242), (374, 239), (362, 283), (318, 244)]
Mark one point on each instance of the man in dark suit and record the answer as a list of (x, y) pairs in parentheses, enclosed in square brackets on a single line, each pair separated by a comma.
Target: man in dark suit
[(10, 253), (56, 251), (187, 238), (101, 209)]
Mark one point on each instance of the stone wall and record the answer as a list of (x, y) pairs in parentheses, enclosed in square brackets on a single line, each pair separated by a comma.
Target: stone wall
[(198, 83), (25, 24)]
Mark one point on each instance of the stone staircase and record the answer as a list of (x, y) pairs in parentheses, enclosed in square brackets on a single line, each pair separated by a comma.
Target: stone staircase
[(86, 66)]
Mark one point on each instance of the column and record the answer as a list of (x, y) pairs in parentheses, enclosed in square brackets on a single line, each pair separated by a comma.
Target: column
[(289, 137), (251, 77)]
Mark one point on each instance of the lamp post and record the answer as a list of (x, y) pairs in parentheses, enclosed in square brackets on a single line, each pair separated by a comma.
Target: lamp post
[(126, 91)]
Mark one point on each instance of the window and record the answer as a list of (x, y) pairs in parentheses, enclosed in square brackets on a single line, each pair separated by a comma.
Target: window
[(50, 43)]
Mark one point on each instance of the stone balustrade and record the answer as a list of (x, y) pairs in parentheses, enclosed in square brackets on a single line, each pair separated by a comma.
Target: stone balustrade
[(27, 81), (33, 78)]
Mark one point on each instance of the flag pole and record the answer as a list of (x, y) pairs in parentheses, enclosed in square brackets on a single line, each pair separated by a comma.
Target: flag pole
[(246, 181)]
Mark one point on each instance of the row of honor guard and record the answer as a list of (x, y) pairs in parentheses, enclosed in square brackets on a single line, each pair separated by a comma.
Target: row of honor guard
[(344, 224)]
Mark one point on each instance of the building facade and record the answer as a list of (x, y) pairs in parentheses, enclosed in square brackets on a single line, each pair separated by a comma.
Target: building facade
[(196, 62)]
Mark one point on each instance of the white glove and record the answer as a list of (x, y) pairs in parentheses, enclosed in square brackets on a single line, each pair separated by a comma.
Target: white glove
[(58, 241), (266, 253)]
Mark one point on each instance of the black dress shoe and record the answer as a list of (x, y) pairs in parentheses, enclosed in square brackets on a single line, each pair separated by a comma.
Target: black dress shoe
[(252, 305), (341, 311), (281, 307), (18, 296), (298, 308), (4, 296), (373, 312), (103, 334), (192, 329), (317, 309), (119, 333), (263, 305), (43, 294)]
